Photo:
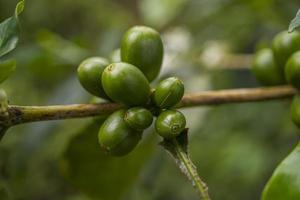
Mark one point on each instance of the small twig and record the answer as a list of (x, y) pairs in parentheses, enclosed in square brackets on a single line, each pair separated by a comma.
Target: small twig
[(25, 114), (177, 148), (192, 171), (236, 96)]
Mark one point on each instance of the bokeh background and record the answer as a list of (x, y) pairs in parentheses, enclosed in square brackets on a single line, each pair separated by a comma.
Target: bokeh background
[(235, 147)]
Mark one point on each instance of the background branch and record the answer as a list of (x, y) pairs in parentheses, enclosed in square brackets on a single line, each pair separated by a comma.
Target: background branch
[(24, 114)]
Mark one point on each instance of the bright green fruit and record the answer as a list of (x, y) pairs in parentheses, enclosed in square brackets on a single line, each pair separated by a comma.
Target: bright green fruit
[(116, 137), (143, 47), (3, 96), (3, 102), (89, 74), (285, 181), (138, 118), (126, 84), (170, 124), (265, 68), (168, 92), (292, 70), (115, 56), (295, 110), (284, 45)]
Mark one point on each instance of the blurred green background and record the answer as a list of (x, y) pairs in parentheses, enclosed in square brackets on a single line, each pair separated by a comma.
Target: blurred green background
[(235, 147)]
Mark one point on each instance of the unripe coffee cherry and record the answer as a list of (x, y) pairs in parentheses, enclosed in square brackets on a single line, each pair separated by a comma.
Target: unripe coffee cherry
[(265, 68), (3, 103), (143, 47), (292, 70), (170, 124), (168, 92), (138, 118), (116, 137), (115, 56), (89, 74), (284, 45), (295, 110), (124, 83)]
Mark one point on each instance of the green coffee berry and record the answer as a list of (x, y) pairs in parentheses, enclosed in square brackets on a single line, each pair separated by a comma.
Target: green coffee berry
[(124, 83), (292, 70), (284, 45), (89, 74), (115, 56), (138, 118), (265, 68), (170, 124), (168, 92), (295, 110), (116, 137), (3, 102), (143, 47)]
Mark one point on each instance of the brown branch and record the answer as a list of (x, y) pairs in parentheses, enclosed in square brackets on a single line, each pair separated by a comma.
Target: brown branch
[(25, 114), (236, 96)]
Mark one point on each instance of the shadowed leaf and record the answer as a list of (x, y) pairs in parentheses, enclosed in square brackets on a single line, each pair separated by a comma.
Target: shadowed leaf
[(98, 175), (295, 23), (9, 31), (285, 181), (6, 69)]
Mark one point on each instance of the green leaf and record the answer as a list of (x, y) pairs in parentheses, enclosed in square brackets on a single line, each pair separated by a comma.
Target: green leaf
[(6, 69), (295, 23), (98, 175), (19, 8), (9, 31), (60, 47), (285, 181)]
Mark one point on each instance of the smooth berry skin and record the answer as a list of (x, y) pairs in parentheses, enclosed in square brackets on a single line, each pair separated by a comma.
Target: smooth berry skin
[(265, 69), (168, 92), (3, 102), (138, 118), (126, 84), (89, 74), (170, 123), (142, 46), (284, 45), (292, 70), (116, 137)]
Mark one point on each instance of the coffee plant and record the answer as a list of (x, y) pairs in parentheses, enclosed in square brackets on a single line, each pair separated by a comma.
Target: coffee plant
[(132, 104)]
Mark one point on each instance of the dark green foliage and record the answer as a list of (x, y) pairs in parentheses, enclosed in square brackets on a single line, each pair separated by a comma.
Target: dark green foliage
[(96, 174)]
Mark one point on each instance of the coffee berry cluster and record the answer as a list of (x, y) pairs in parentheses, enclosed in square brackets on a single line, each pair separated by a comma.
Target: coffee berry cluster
[(125, 78), (279, 65)]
